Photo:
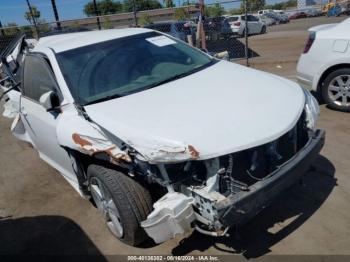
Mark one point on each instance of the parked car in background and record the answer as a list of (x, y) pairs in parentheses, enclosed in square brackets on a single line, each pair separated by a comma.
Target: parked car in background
[(120, 114), (255, 25), (262, 12), (267, 20), (297, 15), (179, 30), (278, 18), (324, 66), (217, 27), (281, 13), (284, 17), (312, 12)]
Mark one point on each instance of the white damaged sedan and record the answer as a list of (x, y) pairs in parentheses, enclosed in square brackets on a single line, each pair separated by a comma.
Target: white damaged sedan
[(164, 138)]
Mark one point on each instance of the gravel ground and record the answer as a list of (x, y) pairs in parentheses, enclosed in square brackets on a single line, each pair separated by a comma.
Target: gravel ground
[(41, 213)]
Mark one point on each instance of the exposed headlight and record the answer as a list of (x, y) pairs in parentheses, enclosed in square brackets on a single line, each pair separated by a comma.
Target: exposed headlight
[(312, 109)]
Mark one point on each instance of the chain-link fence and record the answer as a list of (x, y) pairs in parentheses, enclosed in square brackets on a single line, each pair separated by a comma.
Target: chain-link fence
[(223, 28)]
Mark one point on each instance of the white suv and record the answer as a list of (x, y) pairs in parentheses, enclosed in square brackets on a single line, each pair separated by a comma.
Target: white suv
[(324, 66), (163, 137), (255, 26)]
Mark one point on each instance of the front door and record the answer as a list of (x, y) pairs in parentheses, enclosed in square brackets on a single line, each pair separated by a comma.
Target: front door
[(39, 79)]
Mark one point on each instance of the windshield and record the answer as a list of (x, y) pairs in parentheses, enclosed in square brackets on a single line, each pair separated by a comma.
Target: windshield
[(127, 65)]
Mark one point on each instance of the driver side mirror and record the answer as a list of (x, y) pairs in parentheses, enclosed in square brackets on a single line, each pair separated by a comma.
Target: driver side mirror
[(50, 101)]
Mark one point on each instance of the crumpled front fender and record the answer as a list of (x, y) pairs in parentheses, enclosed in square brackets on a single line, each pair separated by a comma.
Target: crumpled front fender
[(77, 133)]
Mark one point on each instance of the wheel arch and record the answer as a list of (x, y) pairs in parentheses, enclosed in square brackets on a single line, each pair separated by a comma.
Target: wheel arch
[(83, 161), (327, 72)]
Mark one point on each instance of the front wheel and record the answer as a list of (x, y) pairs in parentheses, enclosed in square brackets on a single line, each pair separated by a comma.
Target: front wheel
[(336, 90), (123, 202), (263, 30)]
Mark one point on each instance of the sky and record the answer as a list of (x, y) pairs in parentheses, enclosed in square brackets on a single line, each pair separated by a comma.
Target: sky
[(13, 10)]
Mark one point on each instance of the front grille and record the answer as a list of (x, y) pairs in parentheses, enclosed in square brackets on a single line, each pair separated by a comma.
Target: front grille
[(249, 166)]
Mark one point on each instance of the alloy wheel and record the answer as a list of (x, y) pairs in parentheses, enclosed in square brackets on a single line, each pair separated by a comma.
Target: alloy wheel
[(339, 90), (107, 207)]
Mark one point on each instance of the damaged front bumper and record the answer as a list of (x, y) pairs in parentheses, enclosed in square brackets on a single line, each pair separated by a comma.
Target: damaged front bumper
[(176, 213), (240, 207)]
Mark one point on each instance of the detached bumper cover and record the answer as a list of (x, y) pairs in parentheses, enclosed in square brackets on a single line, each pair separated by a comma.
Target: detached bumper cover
[(240, 207)]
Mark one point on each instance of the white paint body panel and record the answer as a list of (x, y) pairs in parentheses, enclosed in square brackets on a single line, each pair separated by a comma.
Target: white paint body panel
[(222, 109), (330, 48)]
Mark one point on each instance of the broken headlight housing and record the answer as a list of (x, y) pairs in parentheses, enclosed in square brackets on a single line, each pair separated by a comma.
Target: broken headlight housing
[(312, 109)]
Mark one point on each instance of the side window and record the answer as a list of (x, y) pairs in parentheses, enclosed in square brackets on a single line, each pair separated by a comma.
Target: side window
[(37, 78), (250, 18)]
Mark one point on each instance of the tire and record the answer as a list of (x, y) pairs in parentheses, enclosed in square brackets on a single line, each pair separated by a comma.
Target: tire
[(263, 30), (132, 201), (336, 90)]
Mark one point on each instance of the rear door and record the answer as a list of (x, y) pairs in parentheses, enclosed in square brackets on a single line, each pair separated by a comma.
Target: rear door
[(253, 25), (39, 79)]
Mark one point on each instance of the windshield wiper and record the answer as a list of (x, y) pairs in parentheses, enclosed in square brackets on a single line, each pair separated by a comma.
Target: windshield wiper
[(103, 99)]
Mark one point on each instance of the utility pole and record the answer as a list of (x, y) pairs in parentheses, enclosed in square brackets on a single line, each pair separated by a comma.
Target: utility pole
[(200, 27), (246, 33), (97, 16), (134, 11), (54, 8), (32, 14)]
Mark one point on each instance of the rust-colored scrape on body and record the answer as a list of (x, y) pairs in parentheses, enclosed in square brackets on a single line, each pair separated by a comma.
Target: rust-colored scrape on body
[(119, 156), (80, 141), (93, 150), (194, 153)]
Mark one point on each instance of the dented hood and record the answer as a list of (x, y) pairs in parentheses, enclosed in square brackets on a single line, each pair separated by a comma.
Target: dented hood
[(222, 109)]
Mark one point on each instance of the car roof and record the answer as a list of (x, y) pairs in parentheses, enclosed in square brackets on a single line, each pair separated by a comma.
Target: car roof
[(64, 42)]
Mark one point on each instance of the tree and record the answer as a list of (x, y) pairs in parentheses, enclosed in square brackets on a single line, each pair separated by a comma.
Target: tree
[(75, 24), (32, 15), (104, 7), (181, 14), (106, 23), (282, 5), (43, 26), (252, 5), (168, 3), (235, 11), (141, 5), (28, 30), (214, 11), (188, 2), (145, 19), (13, 30)]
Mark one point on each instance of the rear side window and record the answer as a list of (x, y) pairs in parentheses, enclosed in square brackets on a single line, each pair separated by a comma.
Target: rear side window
[(37, 78), (233, 19), (251, 18)]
